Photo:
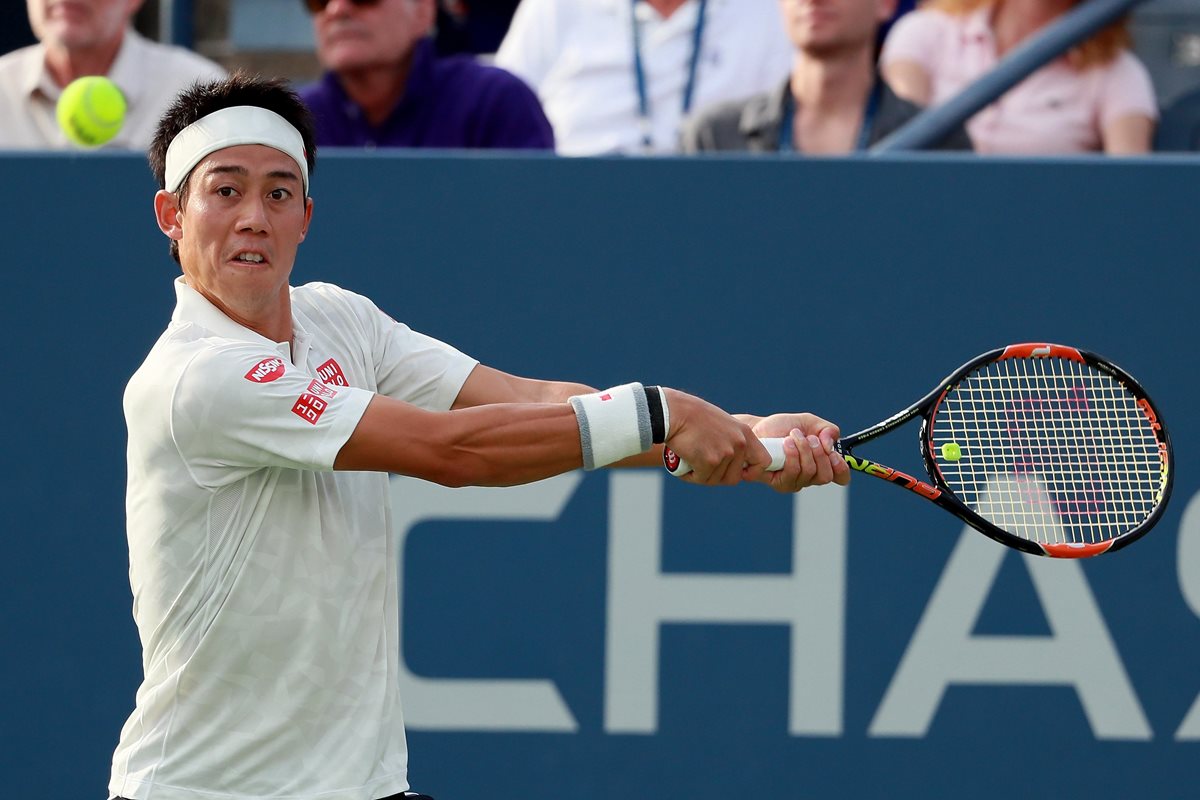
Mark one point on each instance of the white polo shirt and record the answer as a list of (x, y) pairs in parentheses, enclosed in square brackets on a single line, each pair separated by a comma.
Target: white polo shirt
[(149, 74), (578, 56), (264, 583)]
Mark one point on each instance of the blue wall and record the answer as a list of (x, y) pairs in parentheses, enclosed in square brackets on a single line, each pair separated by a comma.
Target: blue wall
[(868, 646)]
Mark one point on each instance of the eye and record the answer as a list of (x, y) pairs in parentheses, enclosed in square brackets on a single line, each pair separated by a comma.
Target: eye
[(280, 194), (225, 191)]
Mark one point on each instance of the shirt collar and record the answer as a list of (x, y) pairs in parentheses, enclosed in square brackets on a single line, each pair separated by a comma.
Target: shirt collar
[(34, 77), (765, 115), (128, 69), (193, 307), (420, 74)]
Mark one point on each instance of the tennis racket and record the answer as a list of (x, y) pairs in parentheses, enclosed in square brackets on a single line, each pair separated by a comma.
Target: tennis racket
[(1049, 449)]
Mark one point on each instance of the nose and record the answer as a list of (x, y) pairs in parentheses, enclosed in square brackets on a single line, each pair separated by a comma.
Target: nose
[(338, 7), (252, 215)]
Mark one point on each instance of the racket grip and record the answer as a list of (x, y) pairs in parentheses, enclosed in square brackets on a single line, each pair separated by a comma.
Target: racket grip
[(679, 467)]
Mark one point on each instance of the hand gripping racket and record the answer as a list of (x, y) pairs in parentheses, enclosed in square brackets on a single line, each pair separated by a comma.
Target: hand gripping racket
[(1049, 449)]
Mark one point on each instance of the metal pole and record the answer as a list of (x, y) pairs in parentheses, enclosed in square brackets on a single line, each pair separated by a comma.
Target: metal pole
[(175, 24), (1047, 44), (166, 9)]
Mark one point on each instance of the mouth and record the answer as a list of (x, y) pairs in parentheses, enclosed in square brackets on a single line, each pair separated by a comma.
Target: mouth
[(70, 9), (249, 258), (344, 29)]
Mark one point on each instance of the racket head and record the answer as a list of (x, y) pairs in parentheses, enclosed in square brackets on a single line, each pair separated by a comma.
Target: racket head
[(1059, 451)]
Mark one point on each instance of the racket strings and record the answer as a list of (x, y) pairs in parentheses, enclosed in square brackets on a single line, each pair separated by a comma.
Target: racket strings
[(1053, 450)]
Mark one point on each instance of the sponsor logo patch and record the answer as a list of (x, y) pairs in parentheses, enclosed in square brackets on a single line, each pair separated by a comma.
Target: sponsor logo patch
[(309, 408), (321, 390), (265, 371), (331, 373)]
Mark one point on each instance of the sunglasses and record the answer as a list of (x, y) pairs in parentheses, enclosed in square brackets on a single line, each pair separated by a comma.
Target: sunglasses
[(317, 6)]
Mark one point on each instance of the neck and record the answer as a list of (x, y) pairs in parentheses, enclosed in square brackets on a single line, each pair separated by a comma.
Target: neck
[(270, 317), (378, 90), (1015, 20), (832, 84), (665, 8), (66, 65)]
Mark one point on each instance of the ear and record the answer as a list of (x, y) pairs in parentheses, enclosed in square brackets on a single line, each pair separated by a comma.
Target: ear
[(169, 214), (308, 208), (885, 10)]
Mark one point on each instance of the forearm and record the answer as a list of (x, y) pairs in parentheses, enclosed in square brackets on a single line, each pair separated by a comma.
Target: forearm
[(493, 445), (715, 444)]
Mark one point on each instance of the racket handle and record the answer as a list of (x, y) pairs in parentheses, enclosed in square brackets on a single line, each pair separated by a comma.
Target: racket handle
[(678, 467)]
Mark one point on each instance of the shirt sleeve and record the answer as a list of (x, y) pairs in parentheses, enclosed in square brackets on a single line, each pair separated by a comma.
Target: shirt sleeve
[(1127, 89), (916, 37), (410, 366), (241, 407)]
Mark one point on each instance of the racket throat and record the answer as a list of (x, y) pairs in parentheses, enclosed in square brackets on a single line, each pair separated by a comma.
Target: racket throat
[(895, 476)]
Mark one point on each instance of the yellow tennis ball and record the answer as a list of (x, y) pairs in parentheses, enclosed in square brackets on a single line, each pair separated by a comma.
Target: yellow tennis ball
[(91, 111), (951, 451)]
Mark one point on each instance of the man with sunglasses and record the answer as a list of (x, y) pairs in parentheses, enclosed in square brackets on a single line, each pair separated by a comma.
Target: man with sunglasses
[(386, 87)]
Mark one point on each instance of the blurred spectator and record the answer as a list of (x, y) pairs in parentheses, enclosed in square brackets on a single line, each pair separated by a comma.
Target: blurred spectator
[(386, 87), (833, 103), (93, 38), (472, 26), (619, 76), (1097, 97)]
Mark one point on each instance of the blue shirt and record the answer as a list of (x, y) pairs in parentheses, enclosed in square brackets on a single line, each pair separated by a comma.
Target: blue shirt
[(448, 102)]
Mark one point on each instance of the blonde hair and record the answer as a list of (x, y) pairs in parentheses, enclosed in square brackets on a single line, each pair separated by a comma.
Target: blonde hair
[(1100, 49)]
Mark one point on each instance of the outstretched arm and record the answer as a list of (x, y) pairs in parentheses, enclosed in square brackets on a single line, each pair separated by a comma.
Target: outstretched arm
[(810, 456), (504, 430)]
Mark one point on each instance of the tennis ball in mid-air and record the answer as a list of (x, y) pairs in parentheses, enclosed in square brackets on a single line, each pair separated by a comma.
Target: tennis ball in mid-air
[(91, 110), (951, 451)]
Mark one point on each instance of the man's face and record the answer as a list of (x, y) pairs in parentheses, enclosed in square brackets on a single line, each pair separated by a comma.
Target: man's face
[(244, 215), (351, 37), (828, 26), (80, 24)]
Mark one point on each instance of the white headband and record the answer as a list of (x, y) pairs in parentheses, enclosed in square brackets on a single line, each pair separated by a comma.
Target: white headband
[(230, 127)]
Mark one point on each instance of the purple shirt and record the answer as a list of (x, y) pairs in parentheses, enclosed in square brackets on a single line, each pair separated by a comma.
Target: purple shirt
[(448, 102)]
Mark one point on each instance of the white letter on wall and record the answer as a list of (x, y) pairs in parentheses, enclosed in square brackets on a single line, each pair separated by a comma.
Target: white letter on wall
[(1079, 651), (641, 598), (478, 705)]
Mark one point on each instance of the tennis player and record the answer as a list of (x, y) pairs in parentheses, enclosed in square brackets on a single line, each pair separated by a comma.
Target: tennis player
[(262, 426)]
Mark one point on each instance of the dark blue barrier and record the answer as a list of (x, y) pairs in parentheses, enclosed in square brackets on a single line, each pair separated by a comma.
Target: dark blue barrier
[(627, 634)]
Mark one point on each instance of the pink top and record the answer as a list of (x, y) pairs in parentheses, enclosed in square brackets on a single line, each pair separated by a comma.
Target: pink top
[(1057, 109)]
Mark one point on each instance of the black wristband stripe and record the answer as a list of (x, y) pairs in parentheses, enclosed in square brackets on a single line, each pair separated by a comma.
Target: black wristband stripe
[(658, 427)]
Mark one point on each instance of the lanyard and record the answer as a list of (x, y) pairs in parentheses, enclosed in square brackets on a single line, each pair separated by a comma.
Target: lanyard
[(864, 132), (639, 73)]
